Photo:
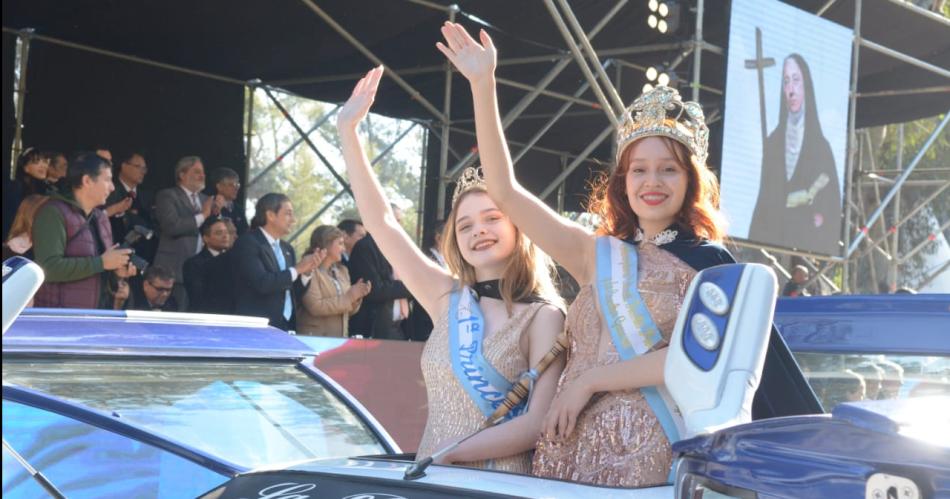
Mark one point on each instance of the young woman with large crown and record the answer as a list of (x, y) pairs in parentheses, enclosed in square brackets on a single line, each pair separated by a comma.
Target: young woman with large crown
[(496, 310), (611, 422)]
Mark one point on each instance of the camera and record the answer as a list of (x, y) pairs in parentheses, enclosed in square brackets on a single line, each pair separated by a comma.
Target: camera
[(137, 233)]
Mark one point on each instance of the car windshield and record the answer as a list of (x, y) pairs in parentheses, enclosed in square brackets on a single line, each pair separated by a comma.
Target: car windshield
[(248, 413)]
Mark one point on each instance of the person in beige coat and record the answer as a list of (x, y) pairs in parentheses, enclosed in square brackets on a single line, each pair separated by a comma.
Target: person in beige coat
[(330, 299)]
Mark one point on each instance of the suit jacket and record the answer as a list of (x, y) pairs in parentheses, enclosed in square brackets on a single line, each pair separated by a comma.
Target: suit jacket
[(238, 218), (139, 214), (375, 317), (208, 283), (259, 284), (325, 310), (179, 231)]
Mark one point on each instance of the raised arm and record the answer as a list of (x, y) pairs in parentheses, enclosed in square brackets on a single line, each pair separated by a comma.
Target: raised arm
[(558, 237), (428, 282)]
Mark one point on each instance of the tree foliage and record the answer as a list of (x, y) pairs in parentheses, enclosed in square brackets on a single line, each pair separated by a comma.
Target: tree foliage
[(308, 181)]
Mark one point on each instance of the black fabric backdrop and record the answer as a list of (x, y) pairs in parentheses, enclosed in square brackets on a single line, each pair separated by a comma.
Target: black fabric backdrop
[(79, 100)]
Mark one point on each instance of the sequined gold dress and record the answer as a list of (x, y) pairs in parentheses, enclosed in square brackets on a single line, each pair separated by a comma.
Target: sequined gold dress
[(617, 440), (452, 413)]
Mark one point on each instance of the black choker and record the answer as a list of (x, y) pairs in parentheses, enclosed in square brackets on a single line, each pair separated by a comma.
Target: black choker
[(492, 289), (489, 289)]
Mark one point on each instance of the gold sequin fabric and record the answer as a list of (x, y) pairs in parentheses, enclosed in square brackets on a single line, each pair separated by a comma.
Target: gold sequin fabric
[(452, 413), (617, 440)]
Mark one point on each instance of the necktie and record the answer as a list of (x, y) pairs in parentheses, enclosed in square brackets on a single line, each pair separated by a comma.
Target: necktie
[(282, 263)]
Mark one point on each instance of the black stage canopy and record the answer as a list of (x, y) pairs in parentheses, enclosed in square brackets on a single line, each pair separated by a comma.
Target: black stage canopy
[(76, 99)]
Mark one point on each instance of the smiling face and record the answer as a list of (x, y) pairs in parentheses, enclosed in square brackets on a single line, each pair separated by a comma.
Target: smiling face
[(656, 183), (485, 237), (37, 169), (335, 251)]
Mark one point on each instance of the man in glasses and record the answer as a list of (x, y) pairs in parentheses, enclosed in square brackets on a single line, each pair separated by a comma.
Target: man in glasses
[(129, 205), (227, 184), (207, 275), (153, 291)]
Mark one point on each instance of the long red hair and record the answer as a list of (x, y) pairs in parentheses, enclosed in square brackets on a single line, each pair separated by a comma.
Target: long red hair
[(700, 211)]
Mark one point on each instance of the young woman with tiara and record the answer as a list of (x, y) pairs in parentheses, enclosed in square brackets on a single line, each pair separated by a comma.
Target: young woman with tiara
[(610, 423), (496, 310)]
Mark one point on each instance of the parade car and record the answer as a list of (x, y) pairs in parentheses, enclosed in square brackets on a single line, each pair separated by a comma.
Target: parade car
[(153, 404), (172, 405)]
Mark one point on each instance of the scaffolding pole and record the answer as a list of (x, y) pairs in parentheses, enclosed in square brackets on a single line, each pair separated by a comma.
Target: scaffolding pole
[(306, 138), (316, 215), (415, 94), (698, 49), (852, 140), (249, 132), (551, 122), (862, 233), (280, 157), (893, 268), (582, 64), (24, 36), (614, 97), (534, 92), (577, 161)]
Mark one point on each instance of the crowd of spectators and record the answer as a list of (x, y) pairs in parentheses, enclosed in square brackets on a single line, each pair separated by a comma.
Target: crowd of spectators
[(107, 239)]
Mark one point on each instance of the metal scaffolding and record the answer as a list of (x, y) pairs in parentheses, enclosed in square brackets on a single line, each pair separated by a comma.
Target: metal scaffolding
[(858, 211)]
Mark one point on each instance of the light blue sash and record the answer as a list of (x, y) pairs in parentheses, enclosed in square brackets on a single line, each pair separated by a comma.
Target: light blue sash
[(483, 383), (626, 316)]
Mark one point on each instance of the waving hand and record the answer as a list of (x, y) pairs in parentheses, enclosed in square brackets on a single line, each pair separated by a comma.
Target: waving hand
[(476, 61), (356, 108)]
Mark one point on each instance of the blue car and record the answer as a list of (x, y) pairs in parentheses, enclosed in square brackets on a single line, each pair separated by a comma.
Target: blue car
[(176, 405), (142, 404)]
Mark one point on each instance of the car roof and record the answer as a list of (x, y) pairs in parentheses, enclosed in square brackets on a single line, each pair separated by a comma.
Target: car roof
[(885, 324), (138, 333)]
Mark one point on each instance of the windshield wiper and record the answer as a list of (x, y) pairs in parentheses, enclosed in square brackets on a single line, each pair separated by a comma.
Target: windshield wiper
[(39, 477)]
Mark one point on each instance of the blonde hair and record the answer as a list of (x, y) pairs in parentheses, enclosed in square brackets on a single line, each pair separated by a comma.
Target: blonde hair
[(25, 215), (528, 271)]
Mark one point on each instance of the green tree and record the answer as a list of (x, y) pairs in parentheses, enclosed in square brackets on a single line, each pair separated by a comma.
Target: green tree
[(307, 180)]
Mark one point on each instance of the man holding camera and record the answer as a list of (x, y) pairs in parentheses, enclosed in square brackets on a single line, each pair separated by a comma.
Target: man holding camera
[(129, 206), (72, 240)]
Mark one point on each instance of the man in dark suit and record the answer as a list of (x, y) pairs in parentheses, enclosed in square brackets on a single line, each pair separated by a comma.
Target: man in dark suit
[(208, 274), (386, 305), (354, 231), (152, 291), (226, 183), (180, 210), (264, 266), (131, 205)]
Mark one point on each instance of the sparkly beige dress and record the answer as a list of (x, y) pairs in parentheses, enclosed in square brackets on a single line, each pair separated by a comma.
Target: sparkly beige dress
[(617, 440), (451, 411)]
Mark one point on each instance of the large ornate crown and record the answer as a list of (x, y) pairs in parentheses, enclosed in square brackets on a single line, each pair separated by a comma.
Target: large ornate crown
[(661, 112), (471, 178)]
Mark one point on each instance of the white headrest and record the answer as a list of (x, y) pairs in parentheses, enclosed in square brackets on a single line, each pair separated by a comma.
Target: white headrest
[(718, 347)]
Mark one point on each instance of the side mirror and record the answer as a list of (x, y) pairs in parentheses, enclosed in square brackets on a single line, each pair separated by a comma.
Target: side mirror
[(21, 279), (718, 346)]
